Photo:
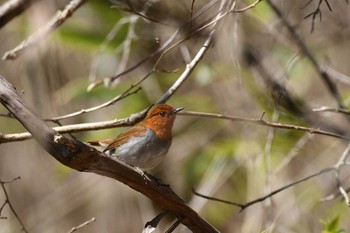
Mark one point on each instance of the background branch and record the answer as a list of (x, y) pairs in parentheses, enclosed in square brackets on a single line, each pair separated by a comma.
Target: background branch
[(332, 88), (54, 23), (136, 117), (12, 8), (8, 202)]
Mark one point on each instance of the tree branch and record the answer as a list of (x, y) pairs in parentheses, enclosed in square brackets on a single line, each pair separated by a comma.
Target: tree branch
[(12, 8), (332, 88), (262, 122), (81, 157), (134, 118), (7, 201), (55, 22)]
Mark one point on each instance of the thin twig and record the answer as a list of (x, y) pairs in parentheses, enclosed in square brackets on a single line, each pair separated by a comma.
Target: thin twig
[(337, 75), (329, 109), (4, 138), (125, 94), (339, 164), (247, 204), (267, 155), (38, 36), (254, 4), (190, 66), (161, 48), (8, 202), (332, 88), (262, 122), (82, 225), (316, 12), (293, 152), (174, 226)]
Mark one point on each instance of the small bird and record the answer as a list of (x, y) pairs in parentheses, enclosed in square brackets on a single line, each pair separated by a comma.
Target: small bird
[(145, 144)]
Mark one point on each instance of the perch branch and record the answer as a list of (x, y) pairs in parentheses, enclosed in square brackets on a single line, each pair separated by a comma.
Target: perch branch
[(82, 157)]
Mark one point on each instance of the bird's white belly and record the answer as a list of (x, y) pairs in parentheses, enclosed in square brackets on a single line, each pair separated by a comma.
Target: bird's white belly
[(144, 152)]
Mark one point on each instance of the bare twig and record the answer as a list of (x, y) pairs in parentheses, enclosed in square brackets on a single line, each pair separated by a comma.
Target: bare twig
[(316, 12), (260, 121), (55, 22), (267, 154), (329, 109), (336, 168), (332, 88), (4, 138), (7, 201), (7, 115), (190, 66), (337, 75), (82, 225), (293, 152), (174, 226), (263, 198), (161, 48), (254, 4), (98, 107)]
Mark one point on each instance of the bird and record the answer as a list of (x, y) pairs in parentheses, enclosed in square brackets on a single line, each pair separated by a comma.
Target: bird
[(144, 145)]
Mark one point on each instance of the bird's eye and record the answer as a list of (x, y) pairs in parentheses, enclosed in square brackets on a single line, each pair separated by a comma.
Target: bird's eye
[(162, 114)]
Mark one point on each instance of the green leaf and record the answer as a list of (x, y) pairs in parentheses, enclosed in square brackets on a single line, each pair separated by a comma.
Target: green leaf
[(331, 226)]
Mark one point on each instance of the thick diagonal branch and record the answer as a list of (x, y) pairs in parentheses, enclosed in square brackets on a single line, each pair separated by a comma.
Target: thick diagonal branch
[(81, 157)]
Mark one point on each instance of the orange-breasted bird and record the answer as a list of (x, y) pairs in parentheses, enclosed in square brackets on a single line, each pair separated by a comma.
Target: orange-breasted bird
[(145, 144)]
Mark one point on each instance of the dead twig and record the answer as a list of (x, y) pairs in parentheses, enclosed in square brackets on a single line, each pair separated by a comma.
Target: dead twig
[(8, 202), (262, 122), (82, 225), (332, 88)]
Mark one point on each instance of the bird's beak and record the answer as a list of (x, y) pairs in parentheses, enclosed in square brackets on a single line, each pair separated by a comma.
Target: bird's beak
[(176, 110)]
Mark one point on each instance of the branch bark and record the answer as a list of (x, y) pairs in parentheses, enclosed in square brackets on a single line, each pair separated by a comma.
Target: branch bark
[(12, 8), (81, 157)]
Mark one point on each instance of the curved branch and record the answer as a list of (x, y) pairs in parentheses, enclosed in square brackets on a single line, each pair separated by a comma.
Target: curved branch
[(81, 157)]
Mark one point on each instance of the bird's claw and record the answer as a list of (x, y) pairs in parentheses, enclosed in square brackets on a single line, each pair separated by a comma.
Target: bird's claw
[(146, 176)]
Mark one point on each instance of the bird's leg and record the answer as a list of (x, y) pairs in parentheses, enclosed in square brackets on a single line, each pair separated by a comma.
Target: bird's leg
[(143, 174)]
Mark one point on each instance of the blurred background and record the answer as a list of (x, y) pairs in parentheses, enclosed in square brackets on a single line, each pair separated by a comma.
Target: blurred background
[(254, 66)]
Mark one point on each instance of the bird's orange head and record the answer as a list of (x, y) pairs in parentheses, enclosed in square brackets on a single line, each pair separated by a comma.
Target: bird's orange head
[(160, 118)]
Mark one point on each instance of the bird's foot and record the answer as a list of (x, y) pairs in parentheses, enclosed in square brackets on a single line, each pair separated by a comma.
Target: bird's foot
[(148, 177), (158, 181), (143, 174)]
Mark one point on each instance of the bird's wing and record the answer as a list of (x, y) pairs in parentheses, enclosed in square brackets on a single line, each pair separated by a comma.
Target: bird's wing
[(122, 138)]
